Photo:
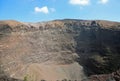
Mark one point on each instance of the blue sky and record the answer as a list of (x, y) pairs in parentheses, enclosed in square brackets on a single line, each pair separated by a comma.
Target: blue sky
[(45, 10)]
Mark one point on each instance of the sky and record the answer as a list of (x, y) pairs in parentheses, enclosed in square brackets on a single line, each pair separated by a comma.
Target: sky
[(46, 10)]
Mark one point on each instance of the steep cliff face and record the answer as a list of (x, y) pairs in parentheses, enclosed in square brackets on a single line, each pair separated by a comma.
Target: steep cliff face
[(60, 49)]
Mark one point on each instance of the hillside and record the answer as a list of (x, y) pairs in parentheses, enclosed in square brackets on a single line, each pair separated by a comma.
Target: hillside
[(61, 49)]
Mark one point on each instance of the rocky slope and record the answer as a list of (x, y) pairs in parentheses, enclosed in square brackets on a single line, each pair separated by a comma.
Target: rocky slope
[(59, 49)]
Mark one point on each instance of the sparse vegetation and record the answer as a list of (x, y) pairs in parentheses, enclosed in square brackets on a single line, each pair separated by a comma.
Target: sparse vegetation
[(25, 78)]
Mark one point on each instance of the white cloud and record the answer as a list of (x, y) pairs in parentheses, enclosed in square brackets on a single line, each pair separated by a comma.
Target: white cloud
[(79, 2), (43, 9), (103, 1)]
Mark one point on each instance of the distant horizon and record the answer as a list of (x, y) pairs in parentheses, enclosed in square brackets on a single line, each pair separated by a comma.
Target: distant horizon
[(60, 19), (47, 10)]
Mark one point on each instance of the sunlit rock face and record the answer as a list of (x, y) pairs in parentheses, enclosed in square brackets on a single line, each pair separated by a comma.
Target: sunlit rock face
[(60, 49)]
